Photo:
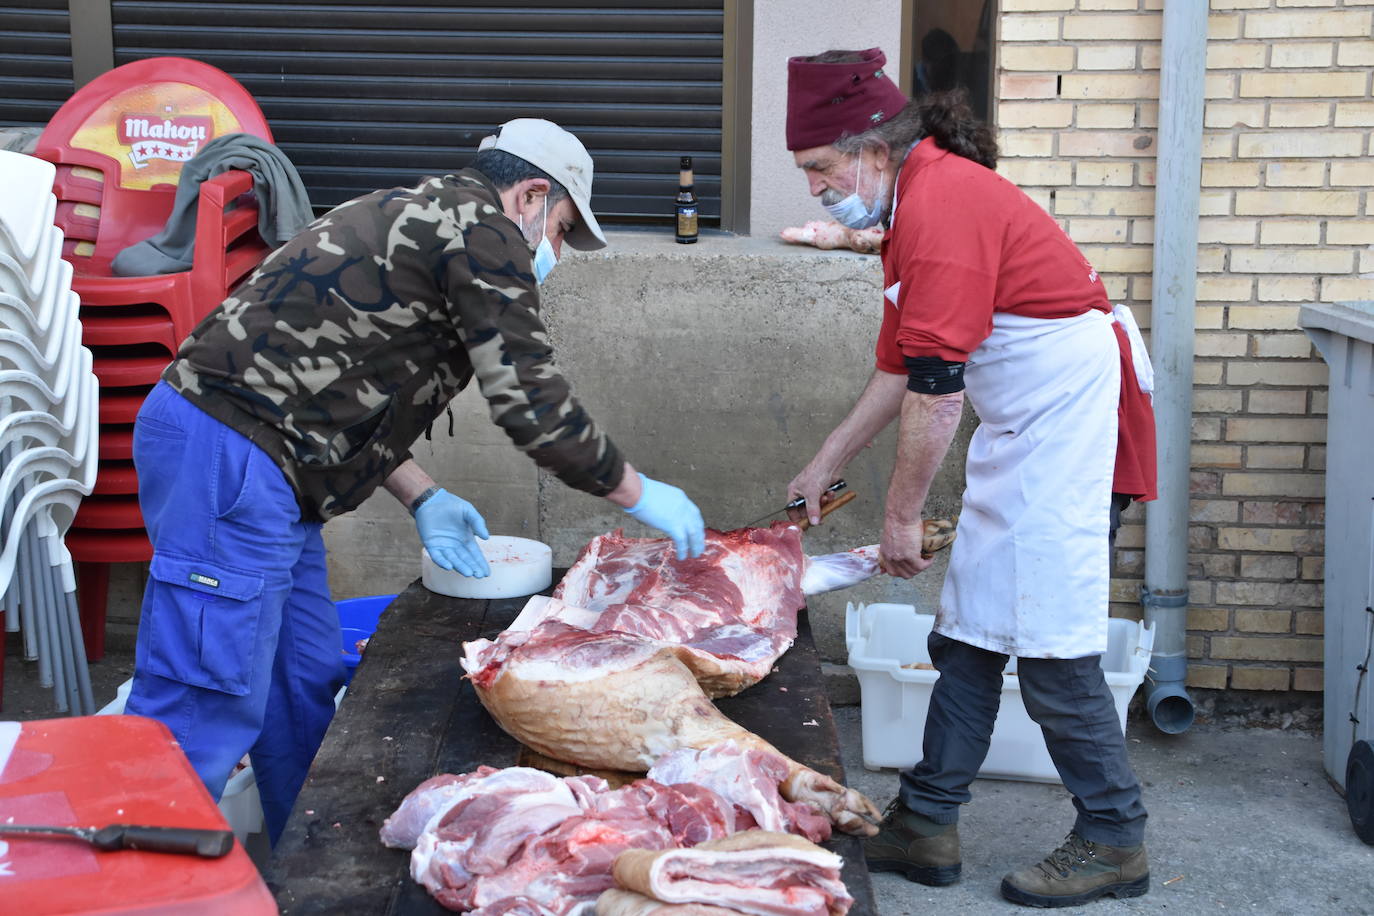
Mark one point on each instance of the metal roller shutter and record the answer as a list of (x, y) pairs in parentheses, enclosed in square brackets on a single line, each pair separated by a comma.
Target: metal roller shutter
[(35, 61), (369, 95)]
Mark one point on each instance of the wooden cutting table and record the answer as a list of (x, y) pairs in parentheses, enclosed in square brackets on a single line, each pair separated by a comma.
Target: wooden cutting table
[(408, 715)]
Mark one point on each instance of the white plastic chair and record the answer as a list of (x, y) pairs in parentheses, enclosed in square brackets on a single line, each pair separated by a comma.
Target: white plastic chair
[(27, 204), (52, 505), (26, 278), (41, 315), (58, 353), (35, 447)]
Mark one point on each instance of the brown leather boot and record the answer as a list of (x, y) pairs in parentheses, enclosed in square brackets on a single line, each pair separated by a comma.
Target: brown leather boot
[(914, 846), (1079, 872)]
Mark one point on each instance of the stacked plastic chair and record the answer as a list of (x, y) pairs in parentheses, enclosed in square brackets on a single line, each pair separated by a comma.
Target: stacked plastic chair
[(48, 427), (119, 144)]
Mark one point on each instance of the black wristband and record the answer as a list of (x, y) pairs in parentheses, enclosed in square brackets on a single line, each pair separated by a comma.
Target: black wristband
[(419, 501), (933, 375)]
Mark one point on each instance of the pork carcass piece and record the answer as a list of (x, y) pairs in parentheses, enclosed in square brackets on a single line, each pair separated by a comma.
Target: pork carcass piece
[(829, 235), (430, 798), (479, 832), (757, 872), (840, 570), (748, 777), (518, 841), (730, 612), (616, 701), (618, 902)]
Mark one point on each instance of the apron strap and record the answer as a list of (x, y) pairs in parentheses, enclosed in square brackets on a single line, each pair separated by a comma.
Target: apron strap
[(1140, 357)]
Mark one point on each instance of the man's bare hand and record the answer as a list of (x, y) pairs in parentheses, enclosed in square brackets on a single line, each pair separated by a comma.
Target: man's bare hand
[(901, 553), (810, 484)]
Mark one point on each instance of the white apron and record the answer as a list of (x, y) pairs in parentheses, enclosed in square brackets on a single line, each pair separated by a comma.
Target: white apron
[(1029, 571)]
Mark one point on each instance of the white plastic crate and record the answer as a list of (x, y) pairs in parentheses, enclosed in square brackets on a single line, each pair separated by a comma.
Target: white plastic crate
[(882, 638)]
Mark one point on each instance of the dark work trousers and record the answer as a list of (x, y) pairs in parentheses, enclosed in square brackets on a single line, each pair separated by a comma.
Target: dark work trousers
[(1067, 697)]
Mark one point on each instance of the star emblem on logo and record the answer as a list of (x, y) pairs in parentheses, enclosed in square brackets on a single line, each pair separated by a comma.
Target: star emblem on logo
[(876, 117)]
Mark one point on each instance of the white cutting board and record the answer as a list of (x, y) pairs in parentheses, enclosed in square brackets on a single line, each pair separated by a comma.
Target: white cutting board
[(519, 566)]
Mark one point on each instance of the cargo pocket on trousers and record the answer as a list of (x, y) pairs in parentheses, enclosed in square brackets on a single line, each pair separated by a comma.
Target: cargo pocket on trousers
[(204, 626)]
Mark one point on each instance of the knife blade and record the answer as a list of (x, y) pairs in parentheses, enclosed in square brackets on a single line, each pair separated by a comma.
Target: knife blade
[(797, 503)]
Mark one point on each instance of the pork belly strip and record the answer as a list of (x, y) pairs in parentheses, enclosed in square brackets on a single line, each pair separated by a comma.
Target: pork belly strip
[(618, 902), (757, 871), (614, 701)]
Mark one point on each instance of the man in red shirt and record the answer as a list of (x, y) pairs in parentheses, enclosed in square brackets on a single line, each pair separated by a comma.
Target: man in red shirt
[(985, 297)]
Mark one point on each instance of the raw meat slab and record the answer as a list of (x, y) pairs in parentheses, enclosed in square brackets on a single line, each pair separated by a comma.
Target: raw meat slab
[(409, 689)]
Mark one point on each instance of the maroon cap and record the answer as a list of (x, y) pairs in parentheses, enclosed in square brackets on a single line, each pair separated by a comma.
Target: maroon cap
[(826, 101)]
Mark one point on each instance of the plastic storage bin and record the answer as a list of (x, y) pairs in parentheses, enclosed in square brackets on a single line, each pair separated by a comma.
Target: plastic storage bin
[(882, 638)]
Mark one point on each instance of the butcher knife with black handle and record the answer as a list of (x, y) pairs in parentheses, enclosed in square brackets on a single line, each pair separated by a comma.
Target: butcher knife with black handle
[(208, 844), (797, 503)]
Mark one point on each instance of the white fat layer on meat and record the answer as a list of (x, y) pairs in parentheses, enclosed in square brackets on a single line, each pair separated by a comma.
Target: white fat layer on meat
[(420, 858), (699, 876), (557, 670), (474, 655), (541, 608)]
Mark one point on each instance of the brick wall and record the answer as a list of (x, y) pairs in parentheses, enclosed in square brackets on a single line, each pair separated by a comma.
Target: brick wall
[(1286, 219)]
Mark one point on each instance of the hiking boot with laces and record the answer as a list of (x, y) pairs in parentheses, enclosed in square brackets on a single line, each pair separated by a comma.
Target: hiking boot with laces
[(914, 846), (1078, 872)]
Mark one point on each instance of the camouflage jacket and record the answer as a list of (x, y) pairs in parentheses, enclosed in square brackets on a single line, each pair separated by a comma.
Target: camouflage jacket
[(347, 342)]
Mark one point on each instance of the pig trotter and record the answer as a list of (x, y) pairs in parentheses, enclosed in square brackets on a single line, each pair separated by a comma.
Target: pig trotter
[(848, 809)]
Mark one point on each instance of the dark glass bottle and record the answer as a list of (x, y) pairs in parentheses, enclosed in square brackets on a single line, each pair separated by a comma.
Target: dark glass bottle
[(686, 204)]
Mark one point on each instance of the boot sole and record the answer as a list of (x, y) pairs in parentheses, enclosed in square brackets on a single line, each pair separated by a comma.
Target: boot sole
[(929, 875), (1137, 888)]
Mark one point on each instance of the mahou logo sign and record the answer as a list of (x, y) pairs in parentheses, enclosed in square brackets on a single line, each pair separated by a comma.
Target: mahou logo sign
[(175, 139)]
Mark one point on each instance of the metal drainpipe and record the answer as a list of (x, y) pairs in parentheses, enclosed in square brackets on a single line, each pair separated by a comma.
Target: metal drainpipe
[(1177, 189)]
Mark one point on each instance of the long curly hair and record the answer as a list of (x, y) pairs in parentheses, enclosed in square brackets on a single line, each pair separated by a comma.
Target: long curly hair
[(944, 116)]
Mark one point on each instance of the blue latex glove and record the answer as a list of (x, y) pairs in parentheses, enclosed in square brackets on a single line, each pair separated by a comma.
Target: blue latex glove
[(448, 526), (668, 509)]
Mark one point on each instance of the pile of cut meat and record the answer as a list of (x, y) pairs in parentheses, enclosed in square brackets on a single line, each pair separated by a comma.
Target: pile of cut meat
[(616, 672), (521, 841)]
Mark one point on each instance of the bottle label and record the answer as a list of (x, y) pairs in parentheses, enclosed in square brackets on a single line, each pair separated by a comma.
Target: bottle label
[(686, 221)]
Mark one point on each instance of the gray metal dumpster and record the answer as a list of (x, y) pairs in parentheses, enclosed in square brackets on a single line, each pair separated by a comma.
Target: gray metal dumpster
[(1344, 333)]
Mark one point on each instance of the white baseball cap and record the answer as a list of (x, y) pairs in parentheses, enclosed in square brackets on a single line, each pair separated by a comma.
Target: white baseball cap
[(545, 145)]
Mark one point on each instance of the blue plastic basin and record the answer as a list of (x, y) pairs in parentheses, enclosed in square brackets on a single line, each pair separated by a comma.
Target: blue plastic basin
[(358, 620)]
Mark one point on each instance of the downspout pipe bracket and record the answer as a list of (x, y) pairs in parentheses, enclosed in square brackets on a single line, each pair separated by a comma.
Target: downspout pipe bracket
[(1166, 698)]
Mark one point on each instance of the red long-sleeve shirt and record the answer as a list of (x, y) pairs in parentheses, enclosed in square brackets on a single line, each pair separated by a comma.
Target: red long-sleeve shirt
[(966, 243)]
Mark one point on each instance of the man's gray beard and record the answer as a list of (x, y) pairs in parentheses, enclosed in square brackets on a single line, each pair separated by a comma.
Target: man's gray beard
[(830, 197)]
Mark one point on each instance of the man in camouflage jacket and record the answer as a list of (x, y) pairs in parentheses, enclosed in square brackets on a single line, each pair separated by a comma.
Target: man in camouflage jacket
[(304, 391)]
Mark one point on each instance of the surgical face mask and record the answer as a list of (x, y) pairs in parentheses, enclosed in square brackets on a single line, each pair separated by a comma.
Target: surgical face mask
[(852, 211), (544, 258)]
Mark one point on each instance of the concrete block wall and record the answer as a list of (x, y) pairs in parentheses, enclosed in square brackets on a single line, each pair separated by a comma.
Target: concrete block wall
[(1285, 219), (719, 367)]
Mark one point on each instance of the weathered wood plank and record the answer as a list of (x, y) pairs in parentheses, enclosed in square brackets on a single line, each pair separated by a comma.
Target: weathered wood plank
[(408, 715), (782, 709)]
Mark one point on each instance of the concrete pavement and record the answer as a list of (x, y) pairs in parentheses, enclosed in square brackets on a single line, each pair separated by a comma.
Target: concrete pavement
[(1240, 821)]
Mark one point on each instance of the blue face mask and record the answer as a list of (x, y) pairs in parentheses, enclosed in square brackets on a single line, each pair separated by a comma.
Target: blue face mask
[(544, 258), (852, 211)]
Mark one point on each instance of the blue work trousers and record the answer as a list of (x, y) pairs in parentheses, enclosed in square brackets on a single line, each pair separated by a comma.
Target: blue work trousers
[(238, 641)]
